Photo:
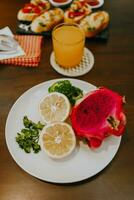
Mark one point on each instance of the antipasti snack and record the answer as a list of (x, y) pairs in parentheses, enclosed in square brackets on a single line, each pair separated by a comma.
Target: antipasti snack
[(47, 20), (41, 16), (94, 23), (29, 12), (77, 11), (32, 10), (43, 4)]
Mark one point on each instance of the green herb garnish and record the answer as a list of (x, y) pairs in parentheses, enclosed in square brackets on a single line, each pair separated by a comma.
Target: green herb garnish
[(41, 24), (65, 87), (92, 29), (28, 138)]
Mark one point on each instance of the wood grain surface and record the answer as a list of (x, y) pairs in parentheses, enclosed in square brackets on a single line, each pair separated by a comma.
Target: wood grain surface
[(114, 68)]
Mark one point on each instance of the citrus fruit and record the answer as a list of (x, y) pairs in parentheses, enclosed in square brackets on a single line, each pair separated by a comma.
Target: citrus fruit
[(54, 107), (57, 139)]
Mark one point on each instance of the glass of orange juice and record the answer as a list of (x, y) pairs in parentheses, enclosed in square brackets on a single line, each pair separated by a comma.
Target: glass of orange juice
[(68, 44)]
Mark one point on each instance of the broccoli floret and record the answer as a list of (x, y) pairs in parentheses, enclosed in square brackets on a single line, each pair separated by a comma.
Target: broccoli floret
[(29, 136), (60, 86), (65, 87), (77, 93)]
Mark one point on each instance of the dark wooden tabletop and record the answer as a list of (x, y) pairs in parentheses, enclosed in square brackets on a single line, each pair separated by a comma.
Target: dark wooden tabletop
[(113, 68)]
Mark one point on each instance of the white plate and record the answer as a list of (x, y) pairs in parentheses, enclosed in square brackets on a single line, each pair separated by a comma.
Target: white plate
[(101, 2), (82, 164), (58, 4)]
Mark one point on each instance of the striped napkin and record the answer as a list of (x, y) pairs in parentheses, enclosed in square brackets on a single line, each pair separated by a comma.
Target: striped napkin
[(31, 45)]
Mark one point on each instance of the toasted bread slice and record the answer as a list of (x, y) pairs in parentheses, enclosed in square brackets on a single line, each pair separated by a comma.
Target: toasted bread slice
[(29, 12), (47, 20), (68, 19), (77, 11), (94, 23), (26, 16), (43, 4)]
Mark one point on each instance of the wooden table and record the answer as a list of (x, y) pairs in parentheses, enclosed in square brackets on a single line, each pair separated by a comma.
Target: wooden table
[(114, 69)]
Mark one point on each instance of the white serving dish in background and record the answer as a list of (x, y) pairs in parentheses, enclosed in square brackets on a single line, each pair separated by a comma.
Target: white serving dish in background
[(58, 4)]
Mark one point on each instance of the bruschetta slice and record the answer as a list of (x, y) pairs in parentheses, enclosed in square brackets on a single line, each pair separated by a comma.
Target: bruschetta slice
[(43, 4), (47, 20), (94, 23), (29, 12), (77, 11)]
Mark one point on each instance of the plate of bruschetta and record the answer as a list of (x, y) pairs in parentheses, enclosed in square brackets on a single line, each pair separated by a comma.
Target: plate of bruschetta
[(41, 16)]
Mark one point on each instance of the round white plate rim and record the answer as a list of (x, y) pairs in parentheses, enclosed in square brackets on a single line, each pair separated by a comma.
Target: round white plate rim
[(56, 4), (71, 73), (77, 179), (101, 2)]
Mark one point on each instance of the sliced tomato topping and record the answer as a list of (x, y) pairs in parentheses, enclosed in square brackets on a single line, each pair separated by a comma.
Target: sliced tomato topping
[(29, 5), (30, 8), (76, 14), (26, 10), (37, 10), (42, 4)]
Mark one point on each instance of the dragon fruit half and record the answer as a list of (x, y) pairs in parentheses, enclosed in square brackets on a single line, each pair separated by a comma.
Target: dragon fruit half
[(99, 115)]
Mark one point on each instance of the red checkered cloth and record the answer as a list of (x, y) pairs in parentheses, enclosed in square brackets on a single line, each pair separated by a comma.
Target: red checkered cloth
[(31, 45)]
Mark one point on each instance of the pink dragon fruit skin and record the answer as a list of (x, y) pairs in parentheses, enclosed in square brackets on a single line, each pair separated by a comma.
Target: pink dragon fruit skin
[(99, 115)]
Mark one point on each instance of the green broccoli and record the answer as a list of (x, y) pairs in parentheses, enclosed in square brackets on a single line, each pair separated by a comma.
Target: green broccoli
[(65, 87), (29, 124), (28, 137)]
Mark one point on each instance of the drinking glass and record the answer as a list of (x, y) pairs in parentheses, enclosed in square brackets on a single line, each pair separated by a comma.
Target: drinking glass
[(68, 44)]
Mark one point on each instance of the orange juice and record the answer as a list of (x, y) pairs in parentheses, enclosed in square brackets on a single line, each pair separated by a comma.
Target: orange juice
[(68, 43)]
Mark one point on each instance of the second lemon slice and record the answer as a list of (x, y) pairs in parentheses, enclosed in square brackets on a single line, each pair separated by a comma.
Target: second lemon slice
[(57, 140), (54, 107)]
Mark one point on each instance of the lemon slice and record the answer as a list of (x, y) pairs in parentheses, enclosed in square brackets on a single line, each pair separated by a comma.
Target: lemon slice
[(57, 139), (54, 107)]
